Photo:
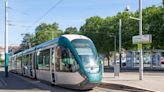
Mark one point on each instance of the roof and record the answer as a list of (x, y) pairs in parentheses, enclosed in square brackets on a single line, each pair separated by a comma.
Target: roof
[(2, 49), (71, 37)]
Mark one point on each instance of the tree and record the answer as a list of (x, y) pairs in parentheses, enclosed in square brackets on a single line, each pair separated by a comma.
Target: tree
[(27, 41), (154, 20), (71, 30), (45, 32), (130, 28), (91, 28), (99, 29), (1, 61)]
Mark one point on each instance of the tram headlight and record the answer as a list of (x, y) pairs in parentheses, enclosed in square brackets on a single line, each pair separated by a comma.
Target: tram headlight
[(92, 66), (92, 69)]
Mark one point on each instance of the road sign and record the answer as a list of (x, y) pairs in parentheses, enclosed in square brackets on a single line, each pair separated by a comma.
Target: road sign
[(143, 39)]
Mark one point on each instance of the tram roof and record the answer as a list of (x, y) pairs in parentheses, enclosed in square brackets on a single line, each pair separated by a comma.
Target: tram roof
[(45, 44), (71, 37)]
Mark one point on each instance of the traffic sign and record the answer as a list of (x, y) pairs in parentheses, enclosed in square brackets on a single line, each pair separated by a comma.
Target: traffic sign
[(143, 39)]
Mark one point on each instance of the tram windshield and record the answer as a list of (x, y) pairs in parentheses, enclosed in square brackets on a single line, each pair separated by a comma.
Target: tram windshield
[(87, 53)]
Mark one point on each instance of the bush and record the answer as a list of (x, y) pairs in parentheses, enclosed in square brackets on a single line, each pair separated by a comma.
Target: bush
[(1, 61)]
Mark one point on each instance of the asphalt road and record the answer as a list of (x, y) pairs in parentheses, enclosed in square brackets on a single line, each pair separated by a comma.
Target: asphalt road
[(17, 83)]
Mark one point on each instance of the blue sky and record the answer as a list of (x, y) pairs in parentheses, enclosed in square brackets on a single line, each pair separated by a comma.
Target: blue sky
[(23, 13)]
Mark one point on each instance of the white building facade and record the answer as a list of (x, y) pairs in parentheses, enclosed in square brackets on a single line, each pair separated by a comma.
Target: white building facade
[(2, 56)]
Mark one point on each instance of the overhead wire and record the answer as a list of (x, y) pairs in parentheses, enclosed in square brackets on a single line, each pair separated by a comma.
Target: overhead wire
[(10, 24), (47, 12), (24, 13)]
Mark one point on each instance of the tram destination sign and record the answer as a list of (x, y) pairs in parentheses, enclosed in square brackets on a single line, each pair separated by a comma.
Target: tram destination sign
[(142, 39)]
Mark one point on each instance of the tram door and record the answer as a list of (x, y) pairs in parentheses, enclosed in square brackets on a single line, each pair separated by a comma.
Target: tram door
[(32, 72), (30, 65), (52, 65), (34, 64)]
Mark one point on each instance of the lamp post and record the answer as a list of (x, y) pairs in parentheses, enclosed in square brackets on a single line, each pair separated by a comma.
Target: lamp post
[(116, 66), (120, 50), (6, 39), (120, 37), (140, 33), (140, 45)]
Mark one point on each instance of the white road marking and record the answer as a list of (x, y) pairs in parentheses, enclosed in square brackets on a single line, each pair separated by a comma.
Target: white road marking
[(3, 82)]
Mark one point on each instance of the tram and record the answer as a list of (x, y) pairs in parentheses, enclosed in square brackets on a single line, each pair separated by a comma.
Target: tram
[(69, 61)]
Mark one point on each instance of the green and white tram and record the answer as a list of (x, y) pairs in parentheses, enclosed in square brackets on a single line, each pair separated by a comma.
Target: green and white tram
[(69, 60)]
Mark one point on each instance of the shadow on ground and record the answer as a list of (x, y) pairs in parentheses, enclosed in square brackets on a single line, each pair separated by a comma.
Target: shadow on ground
[(19, 83), (121, 87)]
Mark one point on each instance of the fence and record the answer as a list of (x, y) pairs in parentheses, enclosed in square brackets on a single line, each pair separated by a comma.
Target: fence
[(130, 59)]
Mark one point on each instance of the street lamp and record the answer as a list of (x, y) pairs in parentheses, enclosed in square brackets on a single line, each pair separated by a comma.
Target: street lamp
[(120, 50), (116, 66), (120, 37), (140, 33)]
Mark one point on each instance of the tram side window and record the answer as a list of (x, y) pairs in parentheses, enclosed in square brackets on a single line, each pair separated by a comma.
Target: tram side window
[(19, 62), (23, 61), (44, 60), (40, 62), (65, 62)]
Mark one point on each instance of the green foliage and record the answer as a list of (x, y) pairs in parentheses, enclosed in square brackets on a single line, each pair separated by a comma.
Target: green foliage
[(92, 29), (27, 41), (99, 29), (45, 32), (1, 61), (154, 24), (71, 30)]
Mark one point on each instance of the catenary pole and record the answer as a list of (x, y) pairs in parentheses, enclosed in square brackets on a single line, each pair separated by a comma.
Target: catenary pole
[(6, 39)]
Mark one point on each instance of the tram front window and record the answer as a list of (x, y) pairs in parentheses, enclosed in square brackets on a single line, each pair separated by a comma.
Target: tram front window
[(87, 54)]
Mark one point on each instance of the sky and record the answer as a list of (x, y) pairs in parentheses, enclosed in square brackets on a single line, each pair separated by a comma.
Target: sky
[(25, 15)]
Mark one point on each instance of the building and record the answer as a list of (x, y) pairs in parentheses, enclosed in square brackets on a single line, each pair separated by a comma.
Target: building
[(11, 48), (2, 52), (14, 48)]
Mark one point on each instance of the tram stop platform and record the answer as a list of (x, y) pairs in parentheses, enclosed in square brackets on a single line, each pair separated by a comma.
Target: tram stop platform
[(153, 81)]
